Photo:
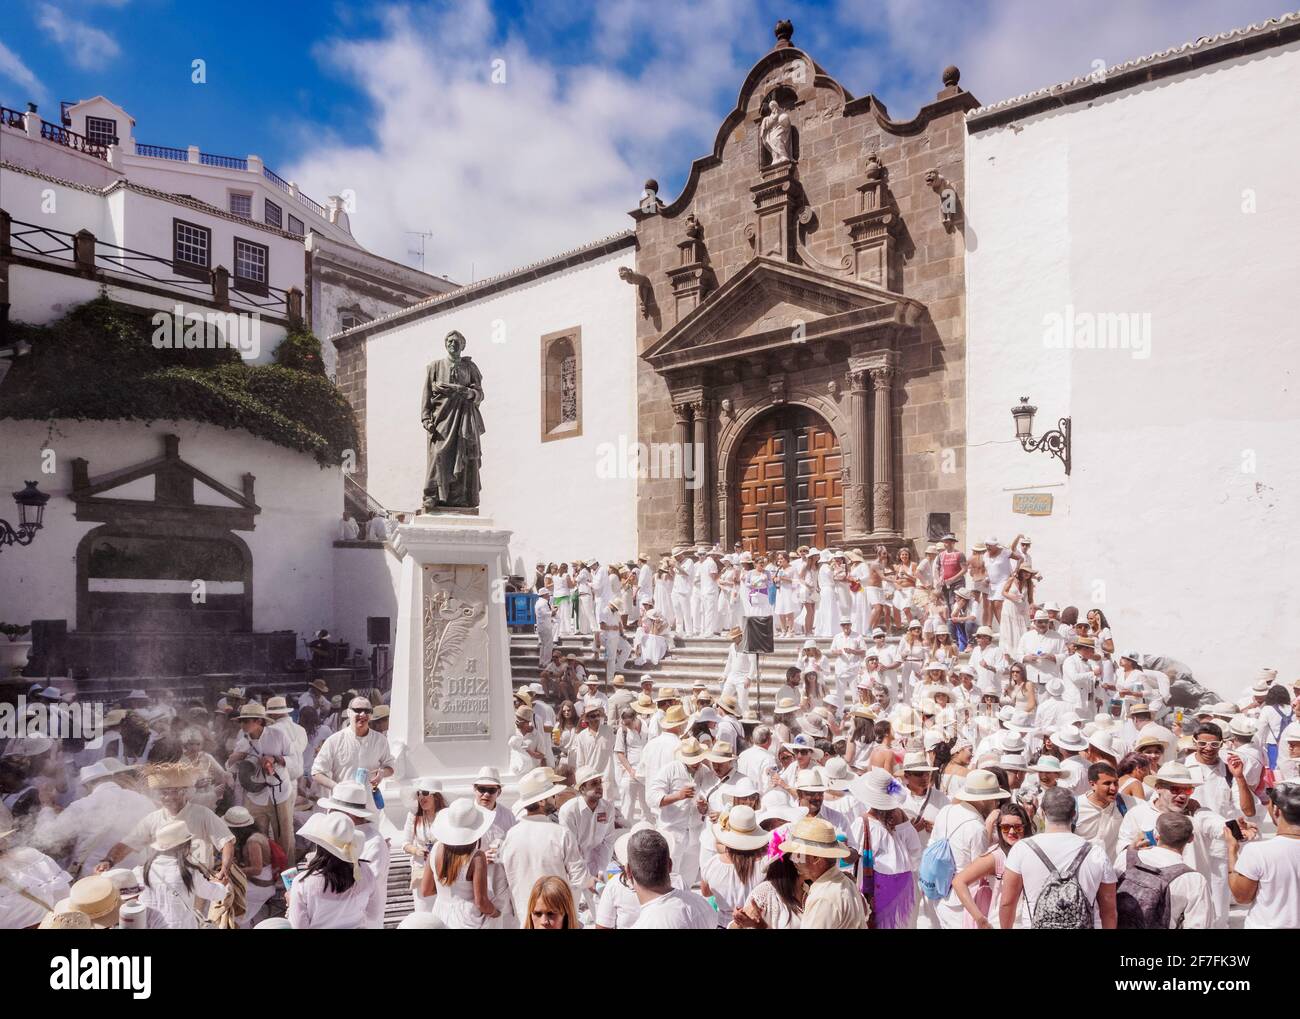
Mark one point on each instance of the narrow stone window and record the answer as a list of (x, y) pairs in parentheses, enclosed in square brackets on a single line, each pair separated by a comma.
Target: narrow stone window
[(561, 383)]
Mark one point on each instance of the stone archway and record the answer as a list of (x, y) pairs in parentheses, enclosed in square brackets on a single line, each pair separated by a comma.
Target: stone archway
[(785, 481)]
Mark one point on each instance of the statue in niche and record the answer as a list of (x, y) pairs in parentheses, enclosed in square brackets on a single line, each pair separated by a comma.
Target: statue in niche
[(776, 132), (449, 410)]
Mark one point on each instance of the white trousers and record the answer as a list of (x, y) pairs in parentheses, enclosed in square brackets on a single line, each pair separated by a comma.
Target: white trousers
[(682, 613), (708, 615), (616, 651)]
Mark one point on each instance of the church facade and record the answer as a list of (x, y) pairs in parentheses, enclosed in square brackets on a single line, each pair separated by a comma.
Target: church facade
[(800, 321)]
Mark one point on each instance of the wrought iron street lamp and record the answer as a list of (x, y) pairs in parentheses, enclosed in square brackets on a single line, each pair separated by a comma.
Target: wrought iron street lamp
[(31, 511), (1056, 442)]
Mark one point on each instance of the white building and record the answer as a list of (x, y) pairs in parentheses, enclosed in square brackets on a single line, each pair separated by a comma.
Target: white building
[(1131, 265)]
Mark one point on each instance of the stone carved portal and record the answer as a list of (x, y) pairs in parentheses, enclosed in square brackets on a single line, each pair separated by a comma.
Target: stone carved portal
[(789, 488), (457, 689)]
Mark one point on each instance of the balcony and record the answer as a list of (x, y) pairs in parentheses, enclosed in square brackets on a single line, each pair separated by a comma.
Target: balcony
[(240, 163)]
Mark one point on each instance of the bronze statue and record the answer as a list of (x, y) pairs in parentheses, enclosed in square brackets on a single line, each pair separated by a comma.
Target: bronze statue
[(453, 389)]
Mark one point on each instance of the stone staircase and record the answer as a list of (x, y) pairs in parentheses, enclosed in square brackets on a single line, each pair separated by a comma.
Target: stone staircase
[(691, 659)]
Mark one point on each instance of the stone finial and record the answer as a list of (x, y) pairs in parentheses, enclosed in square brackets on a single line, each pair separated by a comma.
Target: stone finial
[(951, 75), (651, 186), (784, 30), (693, 231)]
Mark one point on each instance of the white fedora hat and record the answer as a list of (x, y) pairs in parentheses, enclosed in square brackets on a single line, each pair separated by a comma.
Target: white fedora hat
[(1243, 726), (738, 828), (984, 631), (917, 761), (587, 773), (981, 785), (1172, 773), (428, 784), (95, 772), (1010, 742), (336, 834), (620, 843), (487, 776), (171, 835), (879, 790), (349, 797), (814, 836), (837, 774), (1103, 740), (1012, 762), (537, 786), (1046, 765), (462, 824), (1021, 722), (742, 788), (810, 780), (1069, 737)]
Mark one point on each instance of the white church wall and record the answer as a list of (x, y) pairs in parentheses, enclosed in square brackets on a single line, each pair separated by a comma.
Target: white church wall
[(550, 494), (366, 582), (1174, 203), (291, 544)]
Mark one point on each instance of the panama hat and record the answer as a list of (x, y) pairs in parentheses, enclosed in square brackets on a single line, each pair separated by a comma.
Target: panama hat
[(95, 897), (1147, 738), (814, 725), (801, 741), (1243, 726), (487, 775), (1139, 708), (349, 797), (336, 834), (786, 706), (524, 713), (981, 785), (837, 774), (721, 752), (738, 828), (620, 843), (668, 693), (238, 817), (1103, 740), (1046, 765), (1040, 616), (536, 786), (691, 751), (863, 711), (728, 704), (917, 761), (1069, 737), (814, 836), (1011, 742), (319, 684), (65, 920), (463, 823), (742, 788), (1291, 734), (1172, 773), (278, 706), (643, 705), (984, 631), (171, 835), (879, 790), (94, 772), (810, 780), (777, 812), (252, 710), (674, 718), (587, 773), (1012, 762)]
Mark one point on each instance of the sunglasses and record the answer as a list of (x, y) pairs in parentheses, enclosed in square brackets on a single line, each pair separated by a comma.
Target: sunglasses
[(1209, 744), (1011, 829), (361, 711), (487, 790)]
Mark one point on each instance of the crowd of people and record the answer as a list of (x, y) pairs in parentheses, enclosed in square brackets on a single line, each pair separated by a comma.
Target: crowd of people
[(948, 751)]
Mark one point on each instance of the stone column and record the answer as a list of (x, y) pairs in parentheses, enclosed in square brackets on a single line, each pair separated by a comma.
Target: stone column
[(882, 490), (857, 506), (684, 534), (701, 461)]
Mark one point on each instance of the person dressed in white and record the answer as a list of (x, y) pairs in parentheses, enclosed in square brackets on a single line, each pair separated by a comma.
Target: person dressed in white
[(617, 647), (355, 746), (1033, 861), (417, 834), (962, 823), (848, 655), (650, 643), (171, 883), (99, 820), (349, 530), (591, 820), (537, 847), (893, 844), (663, 906), (739, 672), (30, 882), (828, 613), (353, 800), (683, 572), (679, 792), (334, 890), (1267, 874), (456, 873), (707, 575), (544, 615), (1189, 893), (269, 791), (1042, 651), (739, 863)]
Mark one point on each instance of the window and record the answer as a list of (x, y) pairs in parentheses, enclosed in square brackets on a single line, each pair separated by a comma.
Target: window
[(352, 316), (241, 204), (101, 131), (295, 225), (274, 215), (191, 249), (251, 266), (561, 384)]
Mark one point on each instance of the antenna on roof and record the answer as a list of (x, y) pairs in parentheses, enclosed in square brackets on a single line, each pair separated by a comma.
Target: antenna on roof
[(423, 236)]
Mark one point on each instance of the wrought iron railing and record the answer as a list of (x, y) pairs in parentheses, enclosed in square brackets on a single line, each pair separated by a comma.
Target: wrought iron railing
[(275, 179), (60, 135), (138, 265), (227, 162), (162, 152), (12, 118)]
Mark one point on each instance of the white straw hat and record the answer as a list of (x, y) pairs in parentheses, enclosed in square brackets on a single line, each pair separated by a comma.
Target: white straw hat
[(349, 797), (879, 790), (463, 823), (981, 785), (336, 834), (171, 835), (1069, 737), (738, 828), (537, 786)]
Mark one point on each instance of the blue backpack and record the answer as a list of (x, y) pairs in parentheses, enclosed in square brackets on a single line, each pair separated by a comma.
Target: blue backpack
[(938, 868)]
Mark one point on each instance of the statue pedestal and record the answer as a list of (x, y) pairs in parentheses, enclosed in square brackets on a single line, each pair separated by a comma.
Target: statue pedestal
[(451, 699)]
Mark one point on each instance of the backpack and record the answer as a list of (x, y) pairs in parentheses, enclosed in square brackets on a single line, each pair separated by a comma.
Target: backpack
[(1061, 905), (937, 868), (1142, 895)]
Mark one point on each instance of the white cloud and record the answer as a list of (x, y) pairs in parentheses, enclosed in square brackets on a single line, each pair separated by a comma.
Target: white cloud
[(13, 68), (88, 47)]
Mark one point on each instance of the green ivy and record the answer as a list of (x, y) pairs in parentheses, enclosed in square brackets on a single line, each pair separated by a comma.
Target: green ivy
[(98, 363), (300, 350)]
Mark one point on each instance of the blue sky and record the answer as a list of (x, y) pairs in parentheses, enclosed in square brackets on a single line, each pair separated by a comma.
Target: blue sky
[(397, 102)]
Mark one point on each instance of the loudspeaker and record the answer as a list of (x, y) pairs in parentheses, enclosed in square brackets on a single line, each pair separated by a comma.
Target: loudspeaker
[(937, 525), (377, 630), (757, 638)]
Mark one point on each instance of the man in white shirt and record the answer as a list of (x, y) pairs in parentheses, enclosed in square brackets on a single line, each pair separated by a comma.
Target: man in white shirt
[(1082, 670), (683, 624), (922, 805), (1222, 776), (848, 654), (545, 623), (1042, 651), (352, 747), (679, 792), (617, 647), (1267, 874), (269, 789), (1187, 894), (963, 824), (758, 761), (348, 529), (377, 528), (645, 580), (591, 820), (663, 907), (1032, 862), (536, 847), (707, 575), (661, 748), (989, 660), (741, 670), (1101, 810), (594, 746)]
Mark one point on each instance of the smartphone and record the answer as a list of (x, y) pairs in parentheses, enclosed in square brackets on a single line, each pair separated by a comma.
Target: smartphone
[(287, 877), (1235, 828)]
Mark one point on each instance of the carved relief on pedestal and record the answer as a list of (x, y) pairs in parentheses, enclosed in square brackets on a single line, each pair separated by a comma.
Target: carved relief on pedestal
[(457, 690), (855, 509), (882, 499)]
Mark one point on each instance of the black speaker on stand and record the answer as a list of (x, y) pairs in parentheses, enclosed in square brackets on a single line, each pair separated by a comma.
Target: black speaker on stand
[(757, 640)]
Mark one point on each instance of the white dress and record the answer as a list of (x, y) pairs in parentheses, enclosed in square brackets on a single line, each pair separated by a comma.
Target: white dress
[(454, 904), (826, 621), (786, 603), (171, 905)]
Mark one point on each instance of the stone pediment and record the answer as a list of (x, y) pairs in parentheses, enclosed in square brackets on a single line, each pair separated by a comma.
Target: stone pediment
[(771, 304)]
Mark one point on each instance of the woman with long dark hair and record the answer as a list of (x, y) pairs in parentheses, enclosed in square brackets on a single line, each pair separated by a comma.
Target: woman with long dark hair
[(417, 834), (253, 855), (171, 883), (455, 875), (740, 864), (776, 903), (334, 890), (891, 850), (979, 884)]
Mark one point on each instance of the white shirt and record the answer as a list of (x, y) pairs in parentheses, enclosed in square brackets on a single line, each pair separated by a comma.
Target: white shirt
[(377, 529), (297, 744), (1061, 848), (964, 830), (1275, 864), (343, 753), (892, 852), (1217, 792), (1049, 643), (728, 890), (757, 765), (618, 907), (203, 824), (311, 907), (1101, 827), (657, 754), (38, 876), (535, 848), (592, 830), (678, 910), (707, 572), (682, 815), (272, 743), (1189, 894)]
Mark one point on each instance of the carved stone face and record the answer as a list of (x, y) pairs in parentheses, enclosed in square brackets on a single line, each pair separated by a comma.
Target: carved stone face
[(455, 343)]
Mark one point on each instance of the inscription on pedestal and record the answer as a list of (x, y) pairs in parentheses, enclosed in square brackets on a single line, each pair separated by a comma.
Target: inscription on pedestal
[(457, 689)]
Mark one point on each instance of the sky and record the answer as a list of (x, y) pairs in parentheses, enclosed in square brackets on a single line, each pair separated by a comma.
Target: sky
[(516, 130)]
